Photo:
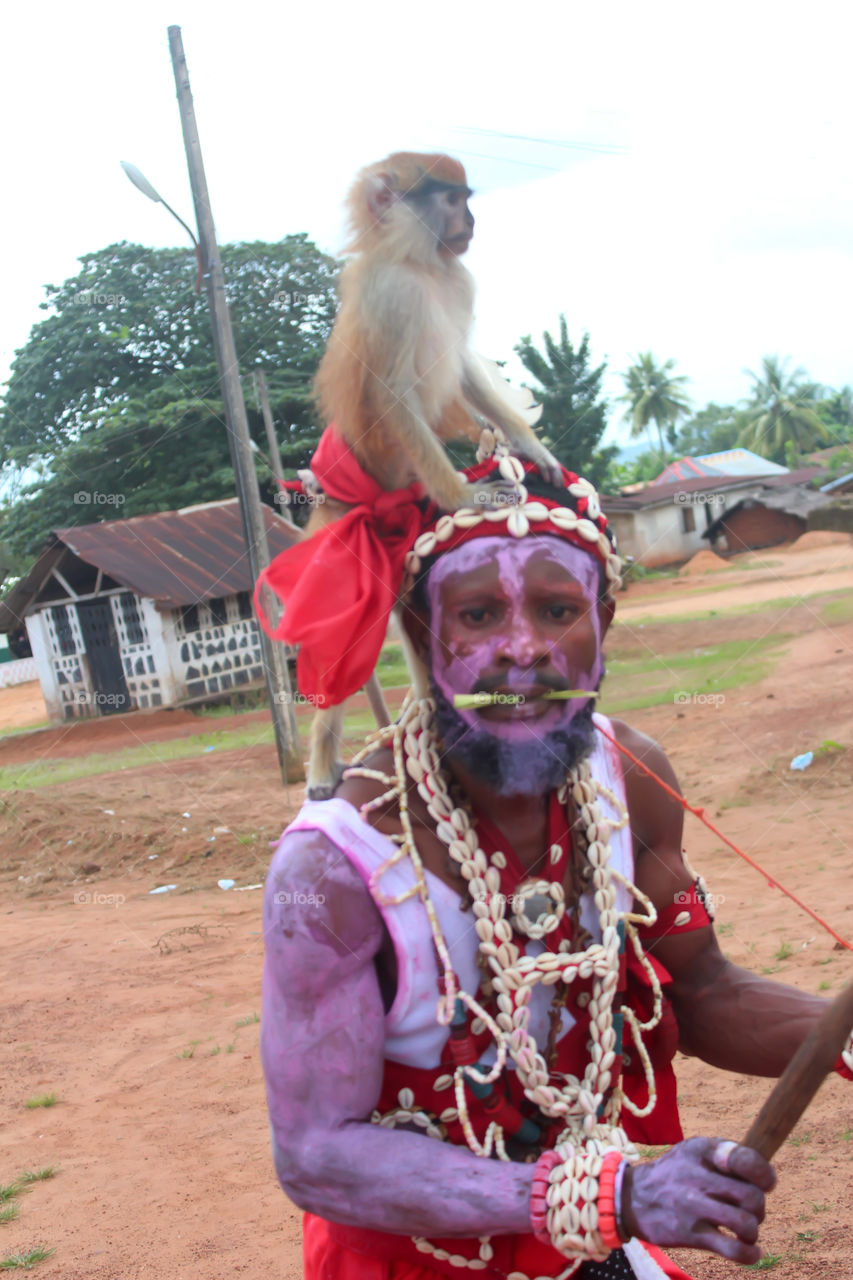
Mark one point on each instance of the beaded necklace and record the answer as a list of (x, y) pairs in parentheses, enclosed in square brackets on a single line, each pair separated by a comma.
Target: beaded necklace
[(587, 1106)]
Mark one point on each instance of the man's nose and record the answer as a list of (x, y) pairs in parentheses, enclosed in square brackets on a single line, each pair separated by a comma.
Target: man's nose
[(522, 643)]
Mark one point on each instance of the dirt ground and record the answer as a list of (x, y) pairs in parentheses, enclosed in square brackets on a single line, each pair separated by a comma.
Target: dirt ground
[(139, 1011)]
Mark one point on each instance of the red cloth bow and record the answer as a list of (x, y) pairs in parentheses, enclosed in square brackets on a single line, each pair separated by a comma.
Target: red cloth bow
[(340, 584)]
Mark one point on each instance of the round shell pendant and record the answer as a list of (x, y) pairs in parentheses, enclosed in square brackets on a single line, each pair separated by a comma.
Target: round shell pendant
[(537, 907)]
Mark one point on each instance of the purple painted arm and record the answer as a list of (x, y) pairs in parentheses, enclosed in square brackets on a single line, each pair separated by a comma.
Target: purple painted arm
[(322, 1044)]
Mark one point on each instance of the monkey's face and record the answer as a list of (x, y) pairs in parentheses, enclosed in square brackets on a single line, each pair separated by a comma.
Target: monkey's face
[(447, 215)]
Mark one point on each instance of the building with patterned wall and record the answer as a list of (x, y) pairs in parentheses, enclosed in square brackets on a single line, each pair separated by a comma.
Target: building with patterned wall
[(151, 611)]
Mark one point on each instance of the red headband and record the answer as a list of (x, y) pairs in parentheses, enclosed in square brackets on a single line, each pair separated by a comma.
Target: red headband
[(340, 585)]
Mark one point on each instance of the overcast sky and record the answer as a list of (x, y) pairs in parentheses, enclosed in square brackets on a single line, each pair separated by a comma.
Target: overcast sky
[(674, 177)]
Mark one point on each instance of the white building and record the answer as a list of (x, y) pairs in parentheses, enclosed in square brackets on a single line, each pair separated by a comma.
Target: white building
[(144, 612), (666, 524)]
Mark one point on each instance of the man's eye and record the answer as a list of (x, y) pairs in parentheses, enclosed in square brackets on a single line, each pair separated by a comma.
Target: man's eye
[(560, 612), (475, 615)]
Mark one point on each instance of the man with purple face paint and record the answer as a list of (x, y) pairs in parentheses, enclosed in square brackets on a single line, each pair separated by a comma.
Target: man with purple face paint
[(483, 952)]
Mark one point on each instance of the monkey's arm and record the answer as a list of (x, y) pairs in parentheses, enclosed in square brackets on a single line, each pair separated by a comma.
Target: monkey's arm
[(481, 394)]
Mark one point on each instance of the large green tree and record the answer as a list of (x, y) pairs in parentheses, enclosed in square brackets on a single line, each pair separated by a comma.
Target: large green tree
[(781, 419), (116, 393), (836, 413), (574, 416), (654, 394), (709, 430)]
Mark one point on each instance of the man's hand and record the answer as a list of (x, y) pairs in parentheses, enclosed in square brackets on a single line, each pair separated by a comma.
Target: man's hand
[(684, 1198)]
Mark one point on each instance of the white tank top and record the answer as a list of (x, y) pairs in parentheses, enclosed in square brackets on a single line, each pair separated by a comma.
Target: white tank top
[(412, 1034)]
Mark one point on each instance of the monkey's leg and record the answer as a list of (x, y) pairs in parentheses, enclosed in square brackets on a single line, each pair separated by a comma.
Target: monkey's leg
[(403, 428), (376, 698), (324, 765), (482, 395)]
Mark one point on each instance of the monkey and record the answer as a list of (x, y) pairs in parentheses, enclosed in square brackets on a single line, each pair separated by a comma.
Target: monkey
[(398, 376)]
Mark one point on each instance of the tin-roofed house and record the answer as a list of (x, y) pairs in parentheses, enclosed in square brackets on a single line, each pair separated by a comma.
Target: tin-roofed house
[(144, 612)]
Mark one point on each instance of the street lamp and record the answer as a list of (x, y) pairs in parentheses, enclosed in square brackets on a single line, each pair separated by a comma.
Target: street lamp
[(142, 184)]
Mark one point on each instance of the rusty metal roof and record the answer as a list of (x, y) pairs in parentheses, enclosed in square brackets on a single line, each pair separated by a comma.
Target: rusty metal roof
[(175, 557)]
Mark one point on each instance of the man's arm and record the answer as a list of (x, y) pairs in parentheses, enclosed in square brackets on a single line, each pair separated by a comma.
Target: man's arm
[(726, 1015), (322, 1044)]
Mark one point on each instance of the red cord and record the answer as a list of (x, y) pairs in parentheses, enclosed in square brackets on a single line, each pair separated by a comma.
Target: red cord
[(700, 814)]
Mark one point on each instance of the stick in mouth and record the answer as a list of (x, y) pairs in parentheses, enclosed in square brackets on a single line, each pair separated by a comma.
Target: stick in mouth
[(469, 701)]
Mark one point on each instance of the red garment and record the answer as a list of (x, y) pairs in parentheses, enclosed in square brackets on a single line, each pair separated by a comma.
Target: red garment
[(327, 1256)]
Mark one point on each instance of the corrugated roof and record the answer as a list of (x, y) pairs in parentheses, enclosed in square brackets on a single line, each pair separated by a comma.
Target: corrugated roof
[(685, 469), (742, 462), (658, 495), (175, 557), (844, 484)]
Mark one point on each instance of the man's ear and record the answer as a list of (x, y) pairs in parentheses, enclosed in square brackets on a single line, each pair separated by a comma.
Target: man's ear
[(606, 610)]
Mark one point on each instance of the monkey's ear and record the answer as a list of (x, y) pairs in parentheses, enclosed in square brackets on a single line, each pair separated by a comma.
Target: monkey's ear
[(381, 194)]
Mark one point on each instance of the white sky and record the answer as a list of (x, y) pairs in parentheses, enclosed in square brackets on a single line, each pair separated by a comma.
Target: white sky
[(696, 200)]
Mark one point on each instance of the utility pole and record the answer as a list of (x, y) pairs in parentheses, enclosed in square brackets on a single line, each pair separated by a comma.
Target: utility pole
[(237, 425), (272, 443)]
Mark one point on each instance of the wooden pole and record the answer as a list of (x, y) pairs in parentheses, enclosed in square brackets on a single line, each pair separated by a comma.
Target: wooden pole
[(236, 422), (802, 1077), (272, 442)]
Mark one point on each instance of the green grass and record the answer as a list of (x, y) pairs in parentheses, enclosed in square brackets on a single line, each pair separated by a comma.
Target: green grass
[(33, 776), (24, 1261), (651, 680), (835, 606), (41, 1100), (9, 1212), (29, 1176), (797, 1140), (839, 610), (767, 1263), (391, 667), (248, 1020), (785, 951), (52, 772), (8, 1191)]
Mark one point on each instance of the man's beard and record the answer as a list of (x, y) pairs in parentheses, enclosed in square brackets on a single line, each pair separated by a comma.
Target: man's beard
[(530, 768)]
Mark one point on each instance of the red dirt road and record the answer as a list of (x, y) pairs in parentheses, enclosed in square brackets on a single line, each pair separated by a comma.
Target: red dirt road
[(160, 1133)]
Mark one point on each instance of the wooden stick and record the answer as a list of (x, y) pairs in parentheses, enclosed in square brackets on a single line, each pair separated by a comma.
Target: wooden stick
[(802, 1077)]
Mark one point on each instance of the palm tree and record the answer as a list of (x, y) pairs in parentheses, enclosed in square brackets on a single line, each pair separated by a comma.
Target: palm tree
[(653, 395), (782, 409)]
